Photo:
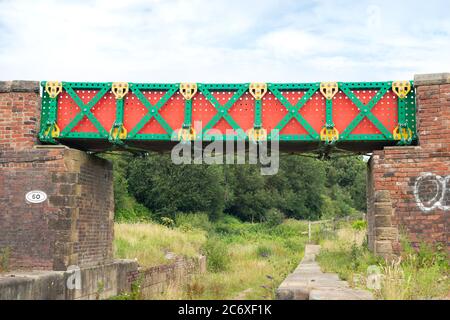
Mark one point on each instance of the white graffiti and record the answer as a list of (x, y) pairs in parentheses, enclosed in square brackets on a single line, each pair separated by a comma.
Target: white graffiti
[(432, 192)]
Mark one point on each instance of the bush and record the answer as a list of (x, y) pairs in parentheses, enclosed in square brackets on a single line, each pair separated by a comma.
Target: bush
[(359, 224), (191, 221), (136, 212), (168, 222), (166, 188), (274, 217), (229, 225), (217, 256)]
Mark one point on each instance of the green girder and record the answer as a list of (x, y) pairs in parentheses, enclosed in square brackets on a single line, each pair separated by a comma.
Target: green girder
[(406, 112)]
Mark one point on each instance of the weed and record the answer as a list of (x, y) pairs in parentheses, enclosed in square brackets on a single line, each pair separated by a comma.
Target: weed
[(417, 274), (359, 225), (217, 255), (264, 251), (5, 254)]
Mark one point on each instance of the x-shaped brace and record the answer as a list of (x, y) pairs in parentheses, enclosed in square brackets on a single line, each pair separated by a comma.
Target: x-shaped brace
[(293, 111), (85, 110), (153, 110), (222, 110), (365, 111)]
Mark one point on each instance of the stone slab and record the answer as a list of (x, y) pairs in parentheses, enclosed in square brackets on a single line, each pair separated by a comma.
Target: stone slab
[(339, 294), (308, 282)]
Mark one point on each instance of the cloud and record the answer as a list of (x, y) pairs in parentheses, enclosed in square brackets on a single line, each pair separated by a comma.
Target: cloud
[(222, 41)]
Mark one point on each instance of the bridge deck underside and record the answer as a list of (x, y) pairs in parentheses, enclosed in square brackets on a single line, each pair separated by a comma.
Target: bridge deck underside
[(90, 116)]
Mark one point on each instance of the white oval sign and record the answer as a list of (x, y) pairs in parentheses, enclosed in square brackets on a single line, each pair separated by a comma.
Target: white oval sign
[(36, 196)]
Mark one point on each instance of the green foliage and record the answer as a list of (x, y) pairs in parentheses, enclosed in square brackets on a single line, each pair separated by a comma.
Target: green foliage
[(264, 251), (304, 188), (126, 206), (248, 261), (419, 273), (168, 222), (274, 217), (347, 260), (166, 188), (349, 174), (189, 221), (359, 224), (247, 196), (425, 256), (5, 254), (217, 252), (136, 292), (298, 186), (136, 213)]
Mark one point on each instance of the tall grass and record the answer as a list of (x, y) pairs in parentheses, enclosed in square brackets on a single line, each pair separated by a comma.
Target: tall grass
[(415, 274), (245, 260), (150, 242)]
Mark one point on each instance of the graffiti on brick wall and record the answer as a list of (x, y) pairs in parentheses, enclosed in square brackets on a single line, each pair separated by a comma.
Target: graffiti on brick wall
[(432, 192)]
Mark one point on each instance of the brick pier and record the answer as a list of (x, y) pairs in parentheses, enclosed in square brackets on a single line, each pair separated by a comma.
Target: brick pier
[(409, 187)]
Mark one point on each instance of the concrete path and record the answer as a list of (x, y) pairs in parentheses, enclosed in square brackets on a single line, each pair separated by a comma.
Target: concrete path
[(308, 282)]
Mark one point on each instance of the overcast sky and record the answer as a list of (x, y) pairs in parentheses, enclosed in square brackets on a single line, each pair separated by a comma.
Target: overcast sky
[(223, 41)]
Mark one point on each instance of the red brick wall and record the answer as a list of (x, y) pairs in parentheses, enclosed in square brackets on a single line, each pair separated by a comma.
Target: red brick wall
[(417, 178), (19, 114), (74, 226)]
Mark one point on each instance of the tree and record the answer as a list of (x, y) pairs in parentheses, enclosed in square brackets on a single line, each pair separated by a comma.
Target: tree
[(166, 188), (298, 186)]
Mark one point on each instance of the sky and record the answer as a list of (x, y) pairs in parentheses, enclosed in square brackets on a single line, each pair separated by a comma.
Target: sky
[(223, 41)]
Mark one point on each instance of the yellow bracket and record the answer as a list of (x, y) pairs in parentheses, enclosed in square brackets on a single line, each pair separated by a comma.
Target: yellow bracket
[(257, 134), (402, 133), (120, 89), (188, 90), (53, 88), (55, 131), (118, 132), (187, 134), (329, 89), (257, 90), (401, 88), (329, 134)]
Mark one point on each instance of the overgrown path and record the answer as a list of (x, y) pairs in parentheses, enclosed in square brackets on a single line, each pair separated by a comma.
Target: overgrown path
[(308, 282)]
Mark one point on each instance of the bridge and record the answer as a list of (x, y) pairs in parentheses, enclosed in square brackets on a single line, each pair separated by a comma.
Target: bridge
[(317, 117), (46, 129)]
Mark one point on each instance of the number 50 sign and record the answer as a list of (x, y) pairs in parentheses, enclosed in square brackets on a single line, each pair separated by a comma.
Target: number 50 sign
[(36, 196)]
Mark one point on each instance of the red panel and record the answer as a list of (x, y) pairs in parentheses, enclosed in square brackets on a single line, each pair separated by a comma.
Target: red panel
[(104, 111), (386, 111), (274, 111), (172, 111), (344, 111), (243, 111), (314, 111), (133, 111), (203, 111), (67, 110)]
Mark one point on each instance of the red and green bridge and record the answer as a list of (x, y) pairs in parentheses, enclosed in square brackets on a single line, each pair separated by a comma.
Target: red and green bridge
[(352, 116)]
